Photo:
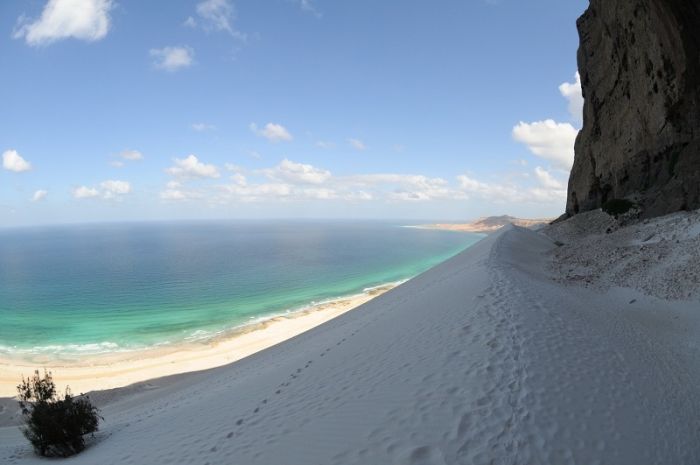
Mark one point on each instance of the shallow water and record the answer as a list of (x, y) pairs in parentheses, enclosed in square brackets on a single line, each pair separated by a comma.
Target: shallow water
[(104, 288)]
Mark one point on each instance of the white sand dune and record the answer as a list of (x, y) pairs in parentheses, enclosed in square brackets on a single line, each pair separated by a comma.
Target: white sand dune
[(484, 359)]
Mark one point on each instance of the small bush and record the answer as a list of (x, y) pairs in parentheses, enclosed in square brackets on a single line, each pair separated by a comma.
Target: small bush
[(617, 207), (55, 427)]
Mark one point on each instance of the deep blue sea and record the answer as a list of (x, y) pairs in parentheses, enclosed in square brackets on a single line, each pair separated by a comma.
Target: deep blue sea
[(112, 287)]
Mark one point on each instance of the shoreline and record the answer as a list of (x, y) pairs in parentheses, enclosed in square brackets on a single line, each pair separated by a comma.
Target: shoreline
[(452, 227), (486, 226), (109, 370), (458, 364)]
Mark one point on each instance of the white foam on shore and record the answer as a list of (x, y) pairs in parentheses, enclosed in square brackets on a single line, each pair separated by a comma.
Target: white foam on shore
[(255, 321), (92, 348)]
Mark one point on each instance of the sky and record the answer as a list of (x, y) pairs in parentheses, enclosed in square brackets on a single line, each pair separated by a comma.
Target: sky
[(124, 110)]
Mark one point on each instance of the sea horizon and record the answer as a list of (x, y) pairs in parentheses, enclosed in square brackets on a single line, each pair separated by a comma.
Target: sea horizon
[(93, 288), (403, 222)]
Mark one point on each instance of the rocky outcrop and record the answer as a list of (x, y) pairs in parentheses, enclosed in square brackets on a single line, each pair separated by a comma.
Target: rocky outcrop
[(640, 71)]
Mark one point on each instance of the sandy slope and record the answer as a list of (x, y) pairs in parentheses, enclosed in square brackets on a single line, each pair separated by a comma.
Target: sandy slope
[(483, 359), (659, 256)]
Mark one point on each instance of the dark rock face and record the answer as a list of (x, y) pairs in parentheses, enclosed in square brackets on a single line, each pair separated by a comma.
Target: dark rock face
[(640, 71)]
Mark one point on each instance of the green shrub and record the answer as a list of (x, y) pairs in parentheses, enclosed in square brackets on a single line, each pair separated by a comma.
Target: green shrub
[(55, 426), (617, 207)]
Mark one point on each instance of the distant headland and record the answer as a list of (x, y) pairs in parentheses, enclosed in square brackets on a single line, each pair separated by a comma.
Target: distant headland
[(489, 224)]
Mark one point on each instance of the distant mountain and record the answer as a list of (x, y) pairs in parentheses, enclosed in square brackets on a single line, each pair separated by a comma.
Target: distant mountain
[(489, 224)]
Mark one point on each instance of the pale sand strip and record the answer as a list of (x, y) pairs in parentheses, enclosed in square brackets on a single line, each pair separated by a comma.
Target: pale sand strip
[(107, 371)]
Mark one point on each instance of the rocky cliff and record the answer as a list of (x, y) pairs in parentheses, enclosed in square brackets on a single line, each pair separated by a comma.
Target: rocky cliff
[(640, 71)]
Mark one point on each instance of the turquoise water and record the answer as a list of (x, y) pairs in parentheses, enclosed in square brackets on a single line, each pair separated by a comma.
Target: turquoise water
[(102, 288)]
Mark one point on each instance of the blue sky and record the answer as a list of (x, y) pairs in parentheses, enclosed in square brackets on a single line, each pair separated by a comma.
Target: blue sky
[(126, 110)]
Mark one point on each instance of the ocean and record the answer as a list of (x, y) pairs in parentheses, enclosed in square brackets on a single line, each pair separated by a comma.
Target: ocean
[(118, 287)]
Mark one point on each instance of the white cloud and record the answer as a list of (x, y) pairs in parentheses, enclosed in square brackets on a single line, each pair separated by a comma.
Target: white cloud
[(406, 187), (291, 181), (298, 173), (110, 189), (131, 155), (272, 131), (547, 196), (216, 15), (239, 179), (172, 58), (547, 180), (117, 163), (495, 192), (190, 22), (359, 196), (573, 93), (267, 190), (61, 19), (191, 167), (178, 195), (357, 144), (470, 184), (114, 187), (324, 145), (175, 191), (201, 127), (413, 180), (284, 192), (551, 192), (319, 193), (173, 194), (257, 192), (549, 140), (13, 161), (39, 195), (84, 192)]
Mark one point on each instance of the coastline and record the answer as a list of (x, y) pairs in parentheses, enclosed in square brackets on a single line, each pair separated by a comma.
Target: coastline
[(486, 226), (452, 227), (482, 351), (97, 372)]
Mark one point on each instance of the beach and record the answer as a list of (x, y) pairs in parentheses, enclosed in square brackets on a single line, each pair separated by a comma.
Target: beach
[(485, 358), (84, 373)]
